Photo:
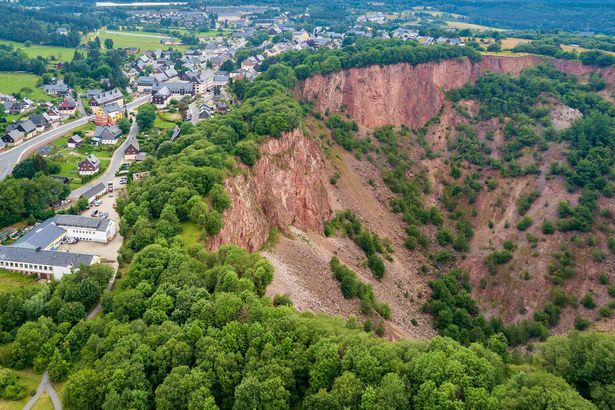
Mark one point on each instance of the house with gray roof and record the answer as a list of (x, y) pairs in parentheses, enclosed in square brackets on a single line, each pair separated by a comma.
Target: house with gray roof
[(107, 135), (46, 236), (58, 88), (44, 264), (88, 166), (94, 193)]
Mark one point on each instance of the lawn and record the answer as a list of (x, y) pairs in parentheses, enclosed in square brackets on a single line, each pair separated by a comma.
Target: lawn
[(50, 52), (11, 82), (159, 122), (13, 280), (68, 159), (31, 381)]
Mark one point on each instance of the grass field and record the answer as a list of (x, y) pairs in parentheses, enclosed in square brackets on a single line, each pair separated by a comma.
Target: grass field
[(13, 82), (31, 381), (50, 52), (461, 25), (13, 280), (143, 41)]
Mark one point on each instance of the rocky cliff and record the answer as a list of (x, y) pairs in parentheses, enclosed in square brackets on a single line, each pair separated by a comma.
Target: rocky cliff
[(284, 188), (401, 94)]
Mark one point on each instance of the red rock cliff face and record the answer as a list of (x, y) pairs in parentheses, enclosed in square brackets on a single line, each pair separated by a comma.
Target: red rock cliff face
[(284, 188), (401, 94)]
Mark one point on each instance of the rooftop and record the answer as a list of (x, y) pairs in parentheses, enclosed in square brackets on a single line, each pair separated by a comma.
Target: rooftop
[(16, 254)]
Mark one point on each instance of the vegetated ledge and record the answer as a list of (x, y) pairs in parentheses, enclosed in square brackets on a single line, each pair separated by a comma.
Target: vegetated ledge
[(402, 94)]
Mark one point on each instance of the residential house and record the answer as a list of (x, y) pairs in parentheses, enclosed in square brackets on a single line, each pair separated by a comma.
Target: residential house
[(89, 166), (18, 107), (145, 83), (89, 94), (74, 142), (132, 150), (108, 97), (62, 31), (59, 88), (106, 135), (68, 106), (13, 138), (41, 121), (161, 97), (27, 127), (108, 114), (163, 92)]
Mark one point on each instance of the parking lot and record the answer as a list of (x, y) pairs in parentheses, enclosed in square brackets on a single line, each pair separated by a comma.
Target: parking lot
[(106, 251)]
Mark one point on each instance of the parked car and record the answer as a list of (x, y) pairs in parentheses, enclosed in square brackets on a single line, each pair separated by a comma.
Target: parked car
[(95, 213), (97, 202)]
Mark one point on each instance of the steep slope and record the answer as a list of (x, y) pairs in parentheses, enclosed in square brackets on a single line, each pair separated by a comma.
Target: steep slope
[(401, 94), (284, 188)]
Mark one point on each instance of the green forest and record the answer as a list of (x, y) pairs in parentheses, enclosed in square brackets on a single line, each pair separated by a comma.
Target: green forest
[(186, 328)]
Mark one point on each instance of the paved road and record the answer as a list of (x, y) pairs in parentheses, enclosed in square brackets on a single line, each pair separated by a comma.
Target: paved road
[(193, 109), (14, 155), (45, 384), (11, 157), (116, 162)]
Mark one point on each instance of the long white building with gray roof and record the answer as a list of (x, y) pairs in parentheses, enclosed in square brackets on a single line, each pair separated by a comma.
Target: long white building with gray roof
[(44, 264)]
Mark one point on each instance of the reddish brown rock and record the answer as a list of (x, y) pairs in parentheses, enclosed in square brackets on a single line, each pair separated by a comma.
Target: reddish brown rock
[(284, 188), (401, 94)]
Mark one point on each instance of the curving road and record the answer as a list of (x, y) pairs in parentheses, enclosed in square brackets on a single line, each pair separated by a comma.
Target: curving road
[(116, 162), (13, 156)]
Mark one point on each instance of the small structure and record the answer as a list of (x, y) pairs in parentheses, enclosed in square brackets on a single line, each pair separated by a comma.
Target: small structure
[(94, 193), (89, 166), (74, 142)]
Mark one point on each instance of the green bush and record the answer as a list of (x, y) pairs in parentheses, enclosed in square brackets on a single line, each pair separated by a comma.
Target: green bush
[(524, 223)]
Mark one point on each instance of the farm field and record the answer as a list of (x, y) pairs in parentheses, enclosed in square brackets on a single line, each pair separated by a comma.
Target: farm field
[(13, 280), (50, 52), (461, 25), (11, 82), (512, 42)]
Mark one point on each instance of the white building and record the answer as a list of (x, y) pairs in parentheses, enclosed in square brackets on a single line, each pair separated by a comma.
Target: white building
[(44, 264), (85, 228)]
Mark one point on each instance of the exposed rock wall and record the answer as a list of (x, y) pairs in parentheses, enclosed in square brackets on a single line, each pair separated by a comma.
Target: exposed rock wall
[(401, 94), (284, 188)]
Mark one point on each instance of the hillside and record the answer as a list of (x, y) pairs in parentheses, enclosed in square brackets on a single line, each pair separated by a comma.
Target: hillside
[(290, 187)]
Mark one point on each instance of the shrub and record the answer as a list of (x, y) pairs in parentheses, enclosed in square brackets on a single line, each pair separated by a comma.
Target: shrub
[(376, 265), (581, 323), (524, 223), (588, 301)]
